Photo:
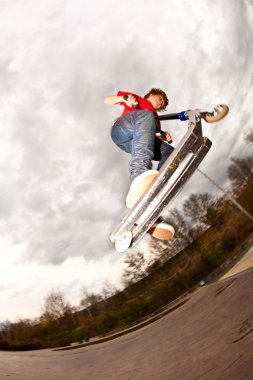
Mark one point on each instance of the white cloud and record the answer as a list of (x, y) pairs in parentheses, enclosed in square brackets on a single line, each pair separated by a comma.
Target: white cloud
[(30, 281)]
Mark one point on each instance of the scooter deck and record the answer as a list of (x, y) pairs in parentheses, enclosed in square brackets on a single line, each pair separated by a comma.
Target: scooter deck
[(175, 172)]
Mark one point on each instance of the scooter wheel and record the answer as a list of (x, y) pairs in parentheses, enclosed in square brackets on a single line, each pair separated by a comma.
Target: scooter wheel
[(124, 242), (219, 112)]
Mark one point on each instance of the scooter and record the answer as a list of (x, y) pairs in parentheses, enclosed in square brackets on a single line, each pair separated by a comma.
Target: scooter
[(172, 176)]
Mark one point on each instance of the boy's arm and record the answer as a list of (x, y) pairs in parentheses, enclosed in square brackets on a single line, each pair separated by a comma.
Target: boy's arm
[(115, 99)]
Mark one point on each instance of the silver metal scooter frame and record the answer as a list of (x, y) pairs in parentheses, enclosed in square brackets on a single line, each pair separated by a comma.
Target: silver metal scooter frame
[(175, 172)]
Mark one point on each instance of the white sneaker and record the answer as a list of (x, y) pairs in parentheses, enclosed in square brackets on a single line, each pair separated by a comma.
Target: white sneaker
[(140, 186), (162, 231)]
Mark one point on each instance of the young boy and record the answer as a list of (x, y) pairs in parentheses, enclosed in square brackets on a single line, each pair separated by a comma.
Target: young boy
[(135, 132)]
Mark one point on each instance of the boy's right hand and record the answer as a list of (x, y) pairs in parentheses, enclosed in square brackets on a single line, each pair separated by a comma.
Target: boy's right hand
[(130, 100)]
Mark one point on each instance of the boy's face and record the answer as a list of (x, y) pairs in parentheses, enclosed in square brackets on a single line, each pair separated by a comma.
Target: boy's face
[(156, 101)]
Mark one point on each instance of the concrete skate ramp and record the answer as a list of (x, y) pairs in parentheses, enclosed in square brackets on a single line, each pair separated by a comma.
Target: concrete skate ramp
[(209, 337)]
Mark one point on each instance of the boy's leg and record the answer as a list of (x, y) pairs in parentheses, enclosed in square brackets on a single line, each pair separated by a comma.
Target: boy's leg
[(122, 134), (140, 165), (143, 142), (135, 133), (162, 151)]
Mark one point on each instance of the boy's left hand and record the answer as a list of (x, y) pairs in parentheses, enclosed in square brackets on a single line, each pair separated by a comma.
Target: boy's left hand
[(166, 137)]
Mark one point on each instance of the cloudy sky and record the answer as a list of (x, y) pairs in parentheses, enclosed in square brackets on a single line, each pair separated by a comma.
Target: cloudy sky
[(62, 181)]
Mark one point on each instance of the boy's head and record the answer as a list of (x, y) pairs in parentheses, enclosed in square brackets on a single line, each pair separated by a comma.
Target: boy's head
[(157, 98)]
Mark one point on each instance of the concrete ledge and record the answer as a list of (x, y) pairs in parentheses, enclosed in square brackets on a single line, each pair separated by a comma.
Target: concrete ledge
[(149, 320)]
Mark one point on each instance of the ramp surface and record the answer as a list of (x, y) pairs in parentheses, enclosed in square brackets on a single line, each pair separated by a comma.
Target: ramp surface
[(210, 337)]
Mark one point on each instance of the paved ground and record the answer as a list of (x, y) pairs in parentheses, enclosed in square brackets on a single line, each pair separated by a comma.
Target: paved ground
[(245, 262), (210, 337)]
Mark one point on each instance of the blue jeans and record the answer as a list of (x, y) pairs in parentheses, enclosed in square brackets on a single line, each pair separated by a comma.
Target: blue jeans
[(135, 133)]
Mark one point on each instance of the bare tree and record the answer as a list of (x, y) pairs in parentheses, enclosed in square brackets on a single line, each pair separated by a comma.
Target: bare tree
[(160, 251), (136, 268), (249, 137), (89, 301), (108, 290), (202, 210), (55, 306), (239, 170)]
